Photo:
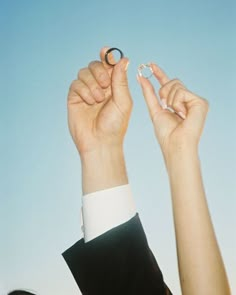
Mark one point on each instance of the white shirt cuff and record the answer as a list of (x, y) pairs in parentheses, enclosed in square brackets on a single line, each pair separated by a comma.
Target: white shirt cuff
[(106, 209)]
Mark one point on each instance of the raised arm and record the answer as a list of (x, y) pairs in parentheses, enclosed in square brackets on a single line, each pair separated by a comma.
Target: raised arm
[(114, 256), (201, 268), (99, 108)]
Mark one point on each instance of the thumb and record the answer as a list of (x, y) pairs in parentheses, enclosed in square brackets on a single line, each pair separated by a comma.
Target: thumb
[(120, 88)]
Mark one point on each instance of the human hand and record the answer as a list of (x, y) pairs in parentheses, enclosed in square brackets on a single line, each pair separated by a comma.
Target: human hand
[(99, 105), (177, 130)]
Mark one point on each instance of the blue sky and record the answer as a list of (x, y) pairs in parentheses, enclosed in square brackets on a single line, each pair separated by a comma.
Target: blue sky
[(43, 45)]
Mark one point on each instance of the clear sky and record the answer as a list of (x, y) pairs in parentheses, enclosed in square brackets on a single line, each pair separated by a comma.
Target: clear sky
[(43, 45)]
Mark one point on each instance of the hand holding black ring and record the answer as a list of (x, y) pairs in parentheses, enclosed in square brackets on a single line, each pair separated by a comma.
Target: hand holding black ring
[(109, 51)]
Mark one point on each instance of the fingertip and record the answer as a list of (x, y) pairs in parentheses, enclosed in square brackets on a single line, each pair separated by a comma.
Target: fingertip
[(112, 56), (104, 58), (138, 79), (164, 103), (141, 80), (182, 115), (104, 80), (180, 110), (103, 51), (159, 74), (126, 64), (155, 67), (91, 102), (89, 99), (122, 64), (98, 94), (99, 99), (144, 82)]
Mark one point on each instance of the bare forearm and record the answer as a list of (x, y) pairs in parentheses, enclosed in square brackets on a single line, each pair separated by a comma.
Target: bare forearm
[(103, 168), (200, 263)]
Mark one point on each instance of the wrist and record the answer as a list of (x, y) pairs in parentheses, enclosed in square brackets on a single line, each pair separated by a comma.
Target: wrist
[(184, 171), (102, 153), (178, 155), (103, 168)]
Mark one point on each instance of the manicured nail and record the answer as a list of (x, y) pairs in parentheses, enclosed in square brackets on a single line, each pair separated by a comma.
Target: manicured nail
[(164, 103), (138, 78), (182, 115), (127, 65)]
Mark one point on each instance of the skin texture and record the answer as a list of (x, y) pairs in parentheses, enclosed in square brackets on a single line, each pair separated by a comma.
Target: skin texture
[(201, 268), (99, 108)]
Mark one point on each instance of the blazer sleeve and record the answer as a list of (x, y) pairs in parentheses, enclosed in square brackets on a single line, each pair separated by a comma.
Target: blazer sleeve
[(117, 262)]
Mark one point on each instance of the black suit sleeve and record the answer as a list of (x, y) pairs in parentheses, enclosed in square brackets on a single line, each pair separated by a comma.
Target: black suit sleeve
[(117, 262)]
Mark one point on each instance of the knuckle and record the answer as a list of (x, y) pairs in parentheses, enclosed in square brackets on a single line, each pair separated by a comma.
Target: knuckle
[(205, 103), (85, 93), (162, 92), (70, 99), (102, 76), (96, 91), (175, 104), (177, 81), (94, 88), (94, 63), (180, 92), (173, 84), (122, 83), (103, 79), (178, 86), (73, 85), (100, 73), (81, 72)]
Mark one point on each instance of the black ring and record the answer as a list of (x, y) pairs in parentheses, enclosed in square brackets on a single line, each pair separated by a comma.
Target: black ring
[(109, 51)]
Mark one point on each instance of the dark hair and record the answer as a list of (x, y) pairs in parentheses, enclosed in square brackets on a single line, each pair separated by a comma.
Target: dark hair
[(20, 292)]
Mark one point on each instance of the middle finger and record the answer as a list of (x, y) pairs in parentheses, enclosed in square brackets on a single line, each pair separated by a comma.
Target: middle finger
[(86, 76)]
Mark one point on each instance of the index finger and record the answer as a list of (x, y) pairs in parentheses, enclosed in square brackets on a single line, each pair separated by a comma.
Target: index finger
[(159, 74), (111, 58)]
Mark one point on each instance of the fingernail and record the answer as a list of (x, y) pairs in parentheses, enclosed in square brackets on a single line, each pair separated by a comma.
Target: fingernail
[(163, 103), (182, 115), (127, 65), (138, 79)]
